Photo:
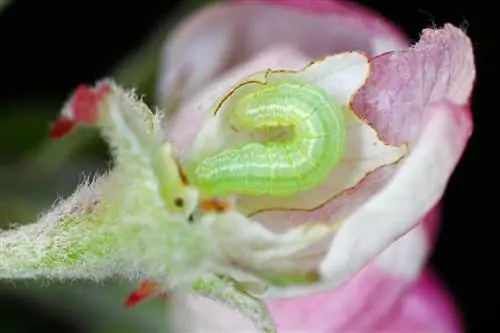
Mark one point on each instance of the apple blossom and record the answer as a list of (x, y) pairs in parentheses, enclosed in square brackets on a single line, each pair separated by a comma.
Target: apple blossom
[(148, 218), (418, 95)]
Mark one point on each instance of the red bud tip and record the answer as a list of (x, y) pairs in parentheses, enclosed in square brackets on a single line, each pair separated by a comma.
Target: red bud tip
[(85, 103), (145, 290), (62, 127)]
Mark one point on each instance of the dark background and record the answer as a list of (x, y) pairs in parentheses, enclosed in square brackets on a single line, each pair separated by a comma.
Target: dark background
[(47, 48)]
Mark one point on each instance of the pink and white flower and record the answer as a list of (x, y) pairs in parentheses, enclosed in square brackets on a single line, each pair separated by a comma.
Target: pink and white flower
[(417, 95)]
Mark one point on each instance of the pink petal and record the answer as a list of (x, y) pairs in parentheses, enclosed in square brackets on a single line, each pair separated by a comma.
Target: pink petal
[(418, 95), (422, 308), (225, 35), (369, 22), (367, 305), (426, 307), (377, 299), (440, 67), (414, 189), (369, 296), (395, 101)]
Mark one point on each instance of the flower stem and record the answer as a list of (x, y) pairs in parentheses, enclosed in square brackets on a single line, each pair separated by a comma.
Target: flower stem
[(55, 248)]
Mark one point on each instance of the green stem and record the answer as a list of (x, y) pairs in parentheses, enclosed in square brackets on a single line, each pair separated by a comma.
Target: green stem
[(53, 248)]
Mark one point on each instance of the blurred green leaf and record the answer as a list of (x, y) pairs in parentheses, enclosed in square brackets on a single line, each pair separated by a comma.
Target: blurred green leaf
[(95, 308), (50, 154), (26, 191), (4, 4), (23, 126)]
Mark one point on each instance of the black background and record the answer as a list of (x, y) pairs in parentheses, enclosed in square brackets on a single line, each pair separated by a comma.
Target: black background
[(47, 48)]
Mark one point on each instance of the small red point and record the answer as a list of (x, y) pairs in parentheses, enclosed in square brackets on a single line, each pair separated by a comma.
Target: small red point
[(63, 126), (84, 109), (146, 289), (85, 103)]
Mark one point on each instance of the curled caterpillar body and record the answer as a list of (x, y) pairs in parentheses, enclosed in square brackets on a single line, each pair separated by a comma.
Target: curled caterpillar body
[(315, 140)]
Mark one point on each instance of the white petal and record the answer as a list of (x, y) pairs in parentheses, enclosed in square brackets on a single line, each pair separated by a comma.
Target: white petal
[(426, 171)]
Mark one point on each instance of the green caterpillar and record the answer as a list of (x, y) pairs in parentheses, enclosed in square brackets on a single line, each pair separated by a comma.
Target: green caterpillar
[(310, 137)]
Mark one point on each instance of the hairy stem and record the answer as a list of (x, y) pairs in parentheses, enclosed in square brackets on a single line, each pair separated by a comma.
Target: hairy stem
[(69, 242)]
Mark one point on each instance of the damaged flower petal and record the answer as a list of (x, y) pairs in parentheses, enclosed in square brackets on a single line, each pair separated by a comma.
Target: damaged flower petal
[(340, 76), (443, 62), (394, 111), (365, 153)]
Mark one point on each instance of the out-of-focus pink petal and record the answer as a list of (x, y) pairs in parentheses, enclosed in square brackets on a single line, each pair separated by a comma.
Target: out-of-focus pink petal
[(380, 298), (386, 307), (426, 307), (350, 308), (221, 36), (431, 225), (360, 303), (373, 302), (369, 22)]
